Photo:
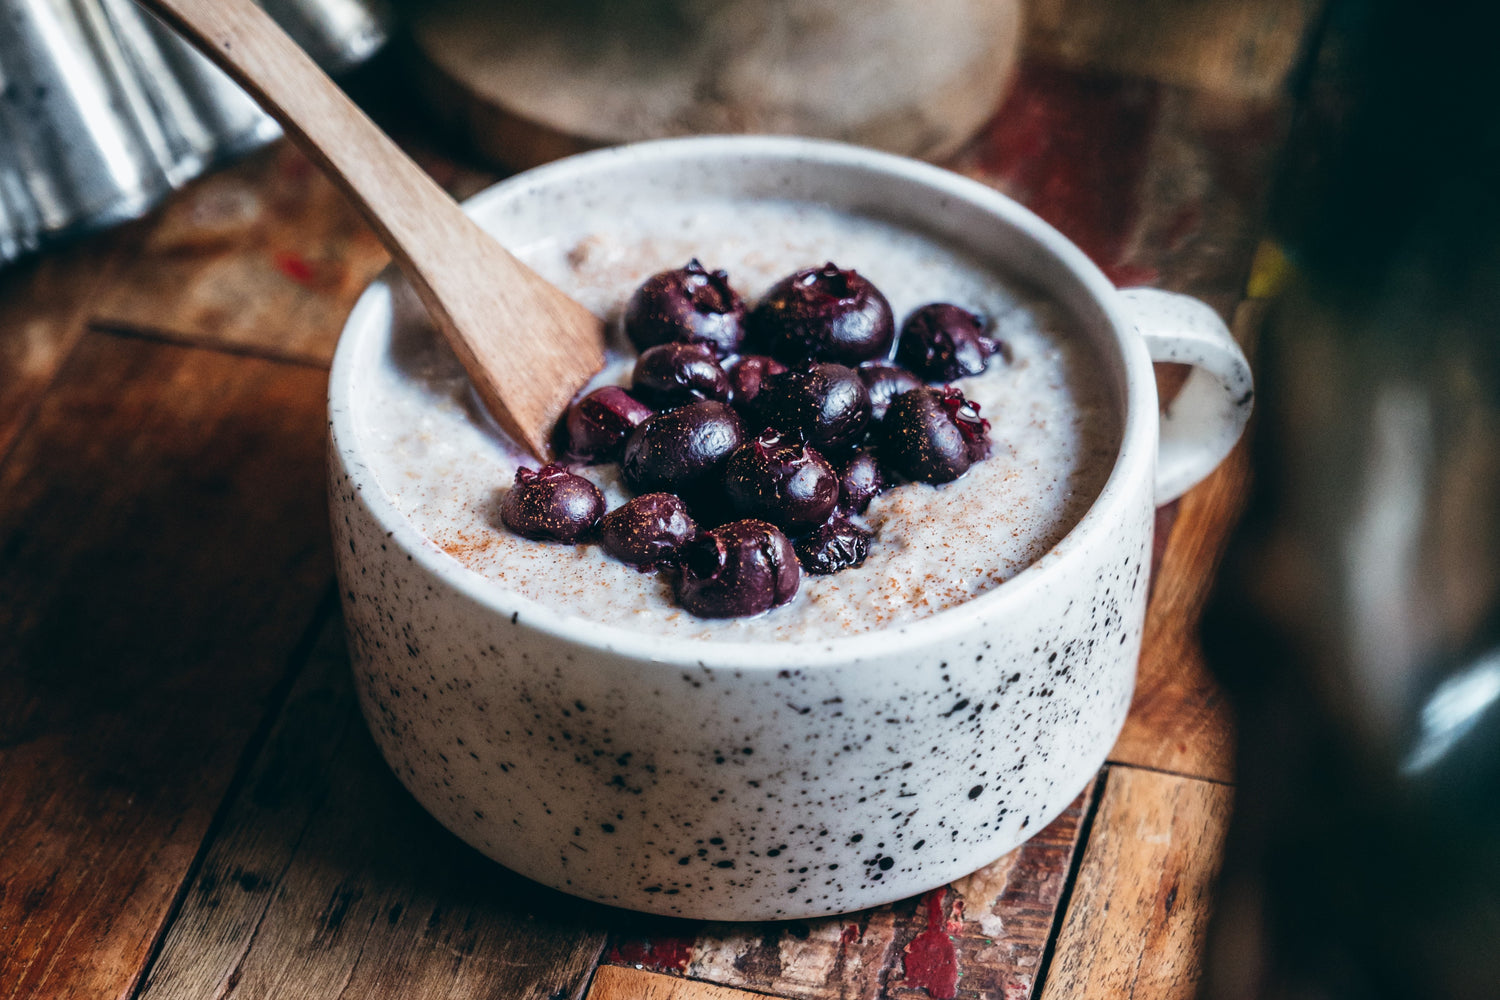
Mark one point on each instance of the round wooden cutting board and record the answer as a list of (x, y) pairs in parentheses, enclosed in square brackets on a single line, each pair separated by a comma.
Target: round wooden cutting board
[(531, 80)]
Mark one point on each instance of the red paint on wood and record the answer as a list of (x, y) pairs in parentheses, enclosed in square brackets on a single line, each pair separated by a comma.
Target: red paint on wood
[(295, 267), (931, 962), (661, 955), (1072, 147)]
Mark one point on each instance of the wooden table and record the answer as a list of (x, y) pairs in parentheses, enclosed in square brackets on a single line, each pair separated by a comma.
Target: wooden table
[(189, 803)]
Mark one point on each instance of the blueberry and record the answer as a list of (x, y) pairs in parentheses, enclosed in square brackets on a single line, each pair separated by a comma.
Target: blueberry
[(839, 544), (598, 424), (885, 382), (941, 342), (551, 504), (822, 314), (739, 569), (682, 451), (859, 483), (781, 480), (826, 405), (671, 375), (747, 375), (685, 305), (933, 435), (647, 530)]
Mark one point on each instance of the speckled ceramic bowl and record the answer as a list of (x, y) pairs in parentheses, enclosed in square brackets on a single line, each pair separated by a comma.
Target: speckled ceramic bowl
[(776, 780)]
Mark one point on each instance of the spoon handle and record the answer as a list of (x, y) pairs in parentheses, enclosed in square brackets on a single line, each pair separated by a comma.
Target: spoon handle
[(480, 297)]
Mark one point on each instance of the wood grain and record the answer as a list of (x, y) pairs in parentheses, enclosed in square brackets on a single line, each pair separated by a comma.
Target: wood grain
[(163, 533), (1179, 720), (614, 983), (525, 345), (1139, 912), (990, 928), (44, 305), (329, 880), (1242, 47), (264, 257)]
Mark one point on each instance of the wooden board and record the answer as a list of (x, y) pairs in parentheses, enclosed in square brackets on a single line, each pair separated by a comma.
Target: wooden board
[(1139, 911), (977, 938), (45, 303), (164, 543), (1244, 48), (531, 80), (614, 983), (329, 880)]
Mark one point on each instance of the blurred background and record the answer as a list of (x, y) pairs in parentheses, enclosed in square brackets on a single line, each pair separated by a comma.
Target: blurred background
[(1324, 172)]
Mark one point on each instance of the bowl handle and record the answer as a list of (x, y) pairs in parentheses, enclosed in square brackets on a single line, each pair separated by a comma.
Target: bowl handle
[(1203, 423)]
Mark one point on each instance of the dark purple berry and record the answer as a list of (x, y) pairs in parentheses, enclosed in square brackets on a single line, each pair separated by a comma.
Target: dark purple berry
[(826, 405), (941, 342), (860, 483), (822, 314), (683, 450), (551, 503), (781, 480), (685, 305), (838, 544), (933, 435), (739, 569), (671, 375), (647, 530), (748, 373), (598, 424), (885, 382)]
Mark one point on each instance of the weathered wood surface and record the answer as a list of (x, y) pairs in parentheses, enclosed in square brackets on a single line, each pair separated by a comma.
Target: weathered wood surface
[(328, 880), (1139, 910), (612, 982), (979, 937), (45, 304), (265, 257), (163, 542), (1245, 49)]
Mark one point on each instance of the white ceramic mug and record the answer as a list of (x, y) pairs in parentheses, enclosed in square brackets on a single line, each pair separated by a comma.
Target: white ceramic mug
[(777, 779)]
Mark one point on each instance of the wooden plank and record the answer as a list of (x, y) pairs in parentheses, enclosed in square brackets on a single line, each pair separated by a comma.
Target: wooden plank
[(1158, 185), (983, 936), (329, 880), (44, 304), (612, 982), (1246, 48), (1179, 720), (1139, 912), (163, 541), (265, 255)]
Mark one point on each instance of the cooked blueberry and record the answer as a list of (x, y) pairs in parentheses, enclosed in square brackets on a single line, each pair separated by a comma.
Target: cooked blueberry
[(670, 375), (647, 530), (822, 314), (941, 342), (739, 569), (860, 483), (838, 544), (685, 305), (598, 424), (551, 503), (781, 480), (681, 450), (885, 382), (933, 435), (747, 374), (826, 405)]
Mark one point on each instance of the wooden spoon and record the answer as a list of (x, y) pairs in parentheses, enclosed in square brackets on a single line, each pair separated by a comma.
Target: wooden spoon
[(527, 347)]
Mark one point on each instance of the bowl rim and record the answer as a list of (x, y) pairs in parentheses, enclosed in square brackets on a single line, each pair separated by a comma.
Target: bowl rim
[(1133, 464)]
